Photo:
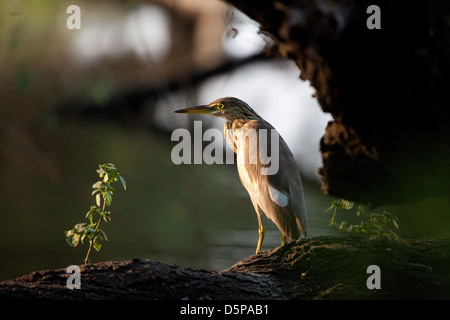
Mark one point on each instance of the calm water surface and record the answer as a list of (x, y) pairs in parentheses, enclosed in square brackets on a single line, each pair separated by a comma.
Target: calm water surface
[(199, 216)]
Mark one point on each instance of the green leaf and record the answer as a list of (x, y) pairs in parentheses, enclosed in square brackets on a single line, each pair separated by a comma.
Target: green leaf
[(395, 223), (343, 225), (372, 237), (360, 210), (92, 211), (124, 184), (69, 240), (106, 215), (345, 204), (69, 233), (108, 197), (97, 185), (100, 171), (80, 227), (90, 229), (102, 235), (97, 244), (75, 239)]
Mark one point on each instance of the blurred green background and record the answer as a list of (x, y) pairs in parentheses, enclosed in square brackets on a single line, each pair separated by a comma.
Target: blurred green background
[(73, 99)]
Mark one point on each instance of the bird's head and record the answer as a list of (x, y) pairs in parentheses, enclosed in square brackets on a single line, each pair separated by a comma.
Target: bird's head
[(229, 108)]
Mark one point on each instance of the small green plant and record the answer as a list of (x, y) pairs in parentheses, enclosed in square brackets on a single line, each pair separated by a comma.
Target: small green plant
[(103, 191), (375, 225)]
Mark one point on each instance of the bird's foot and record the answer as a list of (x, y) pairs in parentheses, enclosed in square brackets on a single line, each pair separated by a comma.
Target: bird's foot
[(283, 239)]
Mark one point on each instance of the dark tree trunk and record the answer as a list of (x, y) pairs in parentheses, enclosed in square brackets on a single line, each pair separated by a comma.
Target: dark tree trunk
[(387, 90), (321, 268)]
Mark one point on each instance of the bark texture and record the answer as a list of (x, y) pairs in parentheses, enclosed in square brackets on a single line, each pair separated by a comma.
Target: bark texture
[(320, 268), (385, 88)]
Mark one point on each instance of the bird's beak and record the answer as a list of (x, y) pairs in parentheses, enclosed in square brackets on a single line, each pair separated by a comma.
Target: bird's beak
[(199, 109)]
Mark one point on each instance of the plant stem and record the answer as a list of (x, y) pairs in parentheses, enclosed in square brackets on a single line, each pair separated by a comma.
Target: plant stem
[(87, 255), (91, 241), (334, 214)]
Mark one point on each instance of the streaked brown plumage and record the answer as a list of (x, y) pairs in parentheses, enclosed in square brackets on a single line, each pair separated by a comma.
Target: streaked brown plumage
[(279, 195)]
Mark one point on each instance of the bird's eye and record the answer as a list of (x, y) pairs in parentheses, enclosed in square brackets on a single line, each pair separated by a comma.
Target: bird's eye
[(217, 105)]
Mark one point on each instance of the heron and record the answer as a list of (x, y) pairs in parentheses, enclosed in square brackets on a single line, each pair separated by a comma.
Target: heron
[(279, 195)]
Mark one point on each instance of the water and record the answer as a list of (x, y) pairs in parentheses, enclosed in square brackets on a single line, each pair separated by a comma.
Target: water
[(193, 215)]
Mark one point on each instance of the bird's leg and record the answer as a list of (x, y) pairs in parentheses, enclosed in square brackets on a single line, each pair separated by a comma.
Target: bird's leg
[(261, 231), (283, 239)]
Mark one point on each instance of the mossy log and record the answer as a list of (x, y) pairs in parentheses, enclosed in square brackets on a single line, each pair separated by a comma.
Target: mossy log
[(319, 268)]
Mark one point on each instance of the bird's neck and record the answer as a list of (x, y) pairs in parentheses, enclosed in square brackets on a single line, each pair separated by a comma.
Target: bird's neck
[(235, 123)]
